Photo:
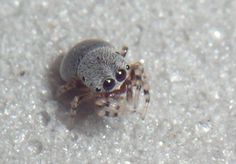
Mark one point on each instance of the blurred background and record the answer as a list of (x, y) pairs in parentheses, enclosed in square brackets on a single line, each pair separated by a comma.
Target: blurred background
[(189, 54)]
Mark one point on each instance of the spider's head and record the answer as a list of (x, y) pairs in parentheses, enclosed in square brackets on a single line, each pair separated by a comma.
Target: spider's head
[(106, 72), (115, 72)]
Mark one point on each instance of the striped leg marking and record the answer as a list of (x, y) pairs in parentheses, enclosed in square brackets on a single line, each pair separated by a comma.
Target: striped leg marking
[(146, 88), (74, 107), (108, 108), (75, 104)]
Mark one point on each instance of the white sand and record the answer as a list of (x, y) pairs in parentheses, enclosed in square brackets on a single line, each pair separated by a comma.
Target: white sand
[(189, 52)]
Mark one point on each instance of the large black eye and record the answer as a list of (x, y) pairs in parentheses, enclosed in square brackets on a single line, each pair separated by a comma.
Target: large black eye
[(108, 84), (120, 75)]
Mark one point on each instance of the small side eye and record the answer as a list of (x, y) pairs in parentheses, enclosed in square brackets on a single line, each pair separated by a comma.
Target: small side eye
[(127, 67), (108, 84), (120, 75), (83, 78)]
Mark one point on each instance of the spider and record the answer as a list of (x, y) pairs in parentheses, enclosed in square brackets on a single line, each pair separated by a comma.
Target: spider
[(102, 73)]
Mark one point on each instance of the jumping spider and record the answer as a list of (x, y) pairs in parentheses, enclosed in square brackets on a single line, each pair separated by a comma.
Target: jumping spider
[(103, 74)]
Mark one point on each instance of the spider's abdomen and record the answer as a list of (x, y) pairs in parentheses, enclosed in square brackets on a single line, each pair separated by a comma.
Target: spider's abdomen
[(71, 62)]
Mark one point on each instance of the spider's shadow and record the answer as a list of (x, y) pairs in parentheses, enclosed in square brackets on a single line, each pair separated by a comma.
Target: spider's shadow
[(86, 119)]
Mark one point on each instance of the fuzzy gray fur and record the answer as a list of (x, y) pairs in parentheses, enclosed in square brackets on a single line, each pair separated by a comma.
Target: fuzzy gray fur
[(95, 60)]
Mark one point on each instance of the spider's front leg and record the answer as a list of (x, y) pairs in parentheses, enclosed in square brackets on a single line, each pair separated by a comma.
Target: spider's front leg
[(138, 79), (129, 91), (74, 105), (110, 108)]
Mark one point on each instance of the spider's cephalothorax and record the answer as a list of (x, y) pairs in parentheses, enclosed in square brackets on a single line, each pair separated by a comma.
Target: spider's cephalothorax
[(105, 75)]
